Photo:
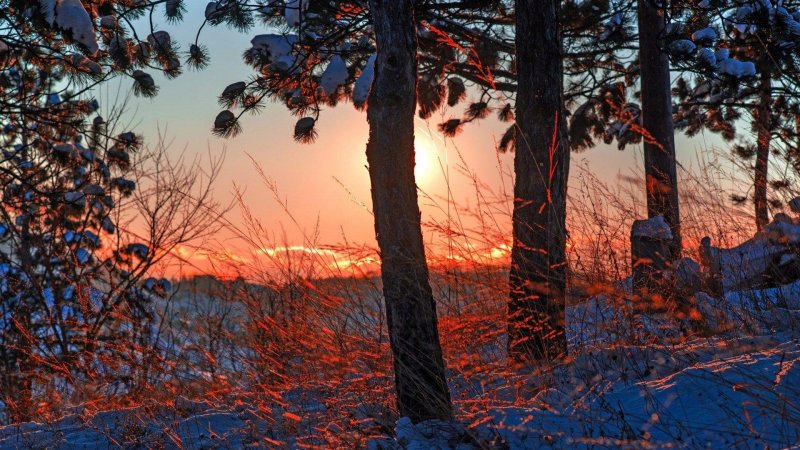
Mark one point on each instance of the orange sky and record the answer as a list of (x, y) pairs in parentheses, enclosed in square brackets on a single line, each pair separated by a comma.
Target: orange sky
[(324, 186)]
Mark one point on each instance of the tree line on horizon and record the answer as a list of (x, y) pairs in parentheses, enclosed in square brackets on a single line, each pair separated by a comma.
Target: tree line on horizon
[(562, 74)]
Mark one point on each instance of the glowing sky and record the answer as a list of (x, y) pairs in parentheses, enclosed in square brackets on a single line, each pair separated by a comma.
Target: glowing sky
[(325, 184)]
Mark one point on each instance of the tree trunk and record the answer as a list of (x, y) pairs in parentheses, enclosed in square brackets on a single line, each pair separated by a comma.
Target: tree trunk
[(541, 166), (422, 391), (659, 136), (764, 125)]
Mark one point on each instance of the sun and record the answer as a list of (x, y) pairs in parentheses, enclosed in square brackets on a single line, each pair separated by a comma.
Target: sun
[(425, 158)]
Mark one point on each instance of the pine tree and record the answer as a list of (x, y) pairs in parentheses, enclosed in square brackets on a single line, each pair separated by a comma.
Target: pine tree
[(76, 303), (742, 67), (465, 46), (71, 306), (422, 391), (541, 164), (661, 177), (320, 66)]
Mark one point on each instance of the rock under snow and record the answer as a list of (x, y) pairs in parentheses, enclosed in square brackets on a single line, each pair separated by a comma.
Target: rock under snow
[(764, 259), (654, 228)]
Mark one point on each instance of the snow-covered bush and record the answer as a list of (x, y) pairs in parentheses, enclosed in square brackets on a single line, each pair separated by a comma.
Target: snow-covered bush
[(70, 307), (741, 83), (75, 323)]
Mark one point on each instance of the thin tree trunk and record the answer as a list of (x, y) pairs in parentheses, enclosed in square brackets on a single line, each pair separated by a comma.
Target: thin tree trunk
[(18, 391), (422, 391), (541, 166), (16, 382), (19, 400), (764, 141), (659, 140)]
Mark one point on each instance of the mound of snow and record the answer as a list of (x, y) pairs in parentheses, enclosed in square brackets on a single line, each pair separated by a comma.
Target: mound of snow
[(711, 395), (129, 428), (743, 266)]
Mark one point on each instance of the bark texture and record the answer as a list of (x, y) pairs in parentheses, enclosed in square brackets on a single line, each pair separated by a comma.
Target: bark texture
[(764, 141), (659, 139), (422, 391), (541, 166)]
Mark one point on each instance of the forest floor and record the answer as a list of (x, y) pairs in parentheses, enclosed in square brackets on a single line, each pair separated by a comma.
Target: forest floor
[(737, 389)]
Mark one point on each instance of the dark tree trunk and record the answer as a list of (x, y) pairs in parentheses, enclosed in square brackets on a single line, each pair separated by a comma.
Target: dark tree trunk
[(422, 391), (541, 167), (659, 140), (764, 141)]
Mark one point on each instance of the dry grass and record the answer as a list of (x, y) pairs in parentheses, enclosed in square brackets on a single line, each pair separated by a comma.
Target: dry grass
[(302, 344)]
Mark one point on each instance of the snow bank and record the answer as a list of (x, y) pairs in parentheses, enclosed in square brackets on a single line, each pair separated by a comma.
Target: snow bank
[(620, 388), (744, 266), (711, 394), (743, 401), (186, 429)]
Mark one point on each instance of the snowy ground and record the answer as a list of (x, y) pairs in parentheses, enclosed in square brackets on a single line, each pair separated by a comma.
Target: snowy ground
[(139, 428), (740, 391), (715, 394)]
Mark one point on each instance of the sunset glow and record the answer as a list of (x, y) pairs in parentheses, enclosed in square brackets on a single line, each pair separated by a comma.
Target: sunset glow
[(217, 231)]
